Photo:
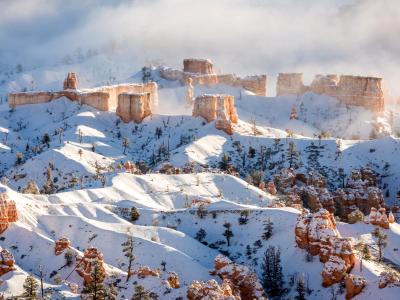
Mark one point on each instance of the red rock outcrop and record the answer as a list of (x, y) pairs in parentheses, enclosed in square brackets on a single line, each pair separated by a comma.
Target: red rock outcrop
[(290, 84), (378, 218), (8, 212), (173, 280), (243, 281), (7, 261), (201, 73), (388, 278), (351, 90), (145, 271), (85, 265), (134, 107), (200, 66), (317, 234), (60, 245), (354, 285), (71, 82), (220, 108), (360, 193), (104, 98), (130, 167), (210, 290)]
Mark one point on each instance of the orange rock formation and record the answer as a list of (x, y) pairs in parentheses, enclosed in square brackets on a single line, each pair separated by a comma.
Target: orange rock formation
[(8, 212), (217, 107), (351, 90), (134, 106), (243, 281), (200, 66), (7, 261), (388, 278), (85, 265), (210, 290), (173, 280), (70, 83), (317, 234), (60, 245), (354, 285)]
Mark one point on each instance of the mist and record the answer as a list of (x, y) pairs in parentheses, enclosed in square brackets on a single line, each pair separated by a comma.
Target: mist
[(242, 36)]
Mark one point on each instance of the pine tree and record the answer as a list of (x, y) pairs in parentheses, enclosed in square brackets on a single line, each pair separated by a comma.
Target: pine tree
[(96, 290), (381, 241), (272, 275), (141, 293), (300, 289), (292, 155), (228, 234), (46, 139), (128, 248), (200, 235), (134, 214), (268, 229), (125, 144), (30, 288), (244, 217)]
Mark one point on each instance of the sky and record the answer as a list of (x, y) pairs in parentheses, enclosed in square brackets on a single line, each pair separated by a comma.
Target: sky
[(242, 36)]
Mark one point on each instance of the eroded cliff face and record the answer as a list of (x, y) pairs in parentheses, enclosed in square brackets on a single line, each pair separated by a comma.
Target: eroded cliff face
[(242, 280), (200, 66), (104, 98), (290, 84), (61, 245), (199, 290), (317, 234), (201, 72), (134, 106), (8, 212), (71, 82), (7, 261), (352, 90), (220, 108), (86, 264)]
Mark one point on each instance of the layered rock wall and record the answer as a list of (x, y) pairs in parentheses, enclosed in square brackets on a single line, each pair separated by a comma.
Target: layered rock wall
[(290, 83), (220, 108), (134, 106), (8, 212), (351, 90), (200, 66), (104, 98), (7, 261), (202, 74), (86, 264)]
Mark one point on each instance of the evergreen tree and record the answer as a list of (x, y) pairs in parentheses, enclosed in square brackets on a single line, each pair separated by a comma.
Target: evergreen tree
[(141, 293), (134, 214), (268, 229), (300, 289), (46, 139), (125, 144), (225, 164), (228, 234), (96, 290), (244, 217), (30, 287), (127, 249), (292, 155), (201, 235), (272, 272), (381, 240)]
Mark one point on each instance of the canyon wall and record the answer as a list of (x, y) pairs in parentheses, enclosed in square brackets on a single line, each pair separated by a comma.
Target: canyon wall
[(220, 108), (104, 98), (8, 212), (351, 90), (201, 73), (201, 66), (134, 106)]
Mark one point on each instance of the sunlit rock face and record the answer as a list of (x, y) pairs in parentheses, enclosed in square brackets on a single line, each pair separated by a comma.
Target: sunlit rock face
[(103, 98), (8, 212), (354, 285), (7, 261), (220, 108), (379, 218), (201, 72), (134, 106), (200, 66), (351, 90), (317, 234), (199, 290), (290, 84), (71, 82), (86, 264), (243, 281), (61, 245)]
